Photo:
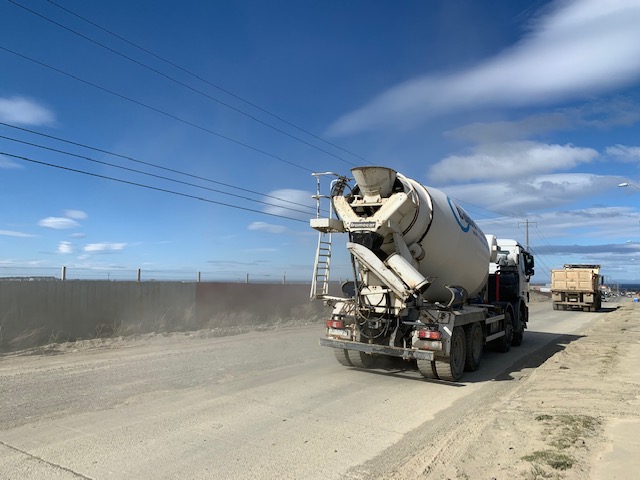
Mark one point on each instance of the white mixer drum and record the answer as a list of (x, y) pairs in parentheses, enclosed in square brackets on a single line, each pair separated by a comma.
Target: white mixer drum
[(456, 251)]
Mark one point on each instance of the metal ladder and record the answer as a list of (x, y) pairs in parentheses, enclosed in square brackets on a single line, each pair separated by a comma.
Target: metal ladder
[(321, 267)]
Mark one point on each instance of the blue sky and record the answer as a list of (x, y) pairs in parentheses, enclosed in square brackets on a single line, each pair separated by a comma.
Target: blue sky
[(520, 110)]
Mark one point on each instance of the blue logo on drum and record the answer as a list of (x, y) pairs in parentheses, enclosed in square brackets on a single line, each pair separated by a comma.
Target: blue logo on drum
[(460, 216)]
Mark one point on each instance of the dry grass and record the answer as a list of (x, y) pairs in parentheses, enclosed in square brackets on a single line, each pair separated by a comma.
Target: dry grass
[(552, 458), (563, 433)]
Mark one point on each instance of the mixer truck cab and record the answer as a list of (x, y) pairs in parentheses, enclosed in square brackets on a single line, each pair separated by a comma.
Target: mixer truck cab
[(509, 277), (428, 286)]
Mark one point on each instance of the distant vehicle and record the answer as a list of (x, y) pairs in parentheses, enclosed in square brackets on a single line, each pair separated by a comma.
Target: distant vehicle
[(576, 286)]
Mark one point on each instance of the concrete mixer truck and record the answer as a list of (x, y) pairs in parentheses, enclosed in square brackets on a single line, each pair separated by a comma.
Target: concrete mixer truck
[(428, 286)]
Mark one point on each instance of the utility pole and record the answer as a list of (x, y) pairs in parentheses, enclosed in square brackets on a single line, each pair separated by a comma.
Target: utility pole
[(527, 223)]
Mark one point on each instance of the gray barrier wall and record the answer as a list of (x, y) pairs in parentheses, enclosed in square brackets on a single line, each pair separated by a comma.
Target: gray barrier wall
[(40, 312)]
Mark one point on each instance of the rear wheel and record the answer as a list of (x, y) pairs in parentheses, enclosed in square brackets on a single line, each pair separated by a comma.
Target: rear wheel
[(427, 369), (475, 346), (504, 342), (361, 359), (451, 369), (342, 356), (518, 335)]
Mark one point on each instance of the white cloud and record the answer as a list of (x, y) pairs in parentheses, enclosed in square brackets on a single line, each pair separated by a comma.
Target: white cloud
[(511, 160), (267, 227), (58, 223), (78, 235), (291, 203), (75, 214), (7, 163), (579, 48), (545, 192), (626, 154), (104, 247), (11, 233), (23, 111), (65, 247)]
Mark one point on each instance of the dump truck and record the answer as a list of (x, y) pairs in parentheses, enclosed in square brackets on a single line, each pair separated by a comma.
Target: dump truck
[(427, 284), (576, 286)]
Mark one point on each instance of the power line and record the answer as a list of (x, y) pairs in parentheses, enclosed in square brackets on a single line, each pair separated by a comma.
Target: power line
[(178, 82), (204, 80), (150, 187), (502, 214), (539, 260), (100, 162), (160, 167), (157, 110), (551, 249)]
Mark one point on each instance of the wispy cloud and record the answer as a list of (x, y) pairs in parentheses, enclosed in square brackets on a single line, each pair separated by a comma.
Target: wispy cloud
[(76, 214), (232, 263), (7, 163), (24, 111), (577, 48), (512, 160), (592, 115), (104, 247), (605, 223), (509, 130), (267, 227), (11, 233), (260, 250), (291, 203), (65, 248), (609, 248), (58, 223), (624, 153), (536, 193)]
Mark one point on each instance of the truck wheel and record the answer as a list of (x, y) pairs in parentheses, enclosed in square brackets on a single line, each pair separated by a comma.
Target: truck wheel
[(504, 342), (452, 368), (361, 359), (427, 369), (342, 356), (475, 346), (518, 336)]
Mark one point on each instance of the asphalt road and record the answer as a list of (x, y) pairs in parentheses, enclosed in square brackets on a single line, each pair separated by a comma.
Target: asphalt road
[(259, 405)]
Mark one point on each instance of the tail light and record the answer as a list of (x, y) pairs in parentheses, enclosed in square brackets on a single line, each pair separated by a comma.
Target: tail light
[(430, 334), (335, 324)]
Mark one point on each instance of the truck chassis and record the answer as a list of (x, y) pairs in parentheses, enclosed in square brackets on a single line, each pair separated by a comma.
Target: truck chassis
[(453, 342)]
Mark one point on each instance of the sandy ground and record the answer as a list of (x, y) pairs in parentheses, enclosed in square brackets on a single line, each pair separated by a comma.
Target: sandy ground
[(271, 403), (576, 416)]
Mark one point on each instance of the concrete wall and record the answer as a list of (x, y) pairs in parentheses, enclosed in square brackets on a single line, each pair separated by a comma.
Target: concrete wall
[(40, 312), (225, 304)]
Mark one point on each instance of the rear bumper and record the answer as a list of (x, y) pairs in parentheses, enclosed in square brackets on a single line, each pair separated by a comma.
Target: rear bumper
[(405, 353)]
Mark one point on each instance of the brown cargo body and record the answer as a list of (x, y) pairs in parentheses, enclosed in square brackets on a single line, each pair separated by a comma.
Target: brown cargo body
[(576, 287)]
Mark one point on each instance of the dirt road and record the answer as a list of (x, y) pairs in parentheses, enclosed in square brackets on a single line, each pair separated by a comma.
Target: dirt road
[(273, 404)]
